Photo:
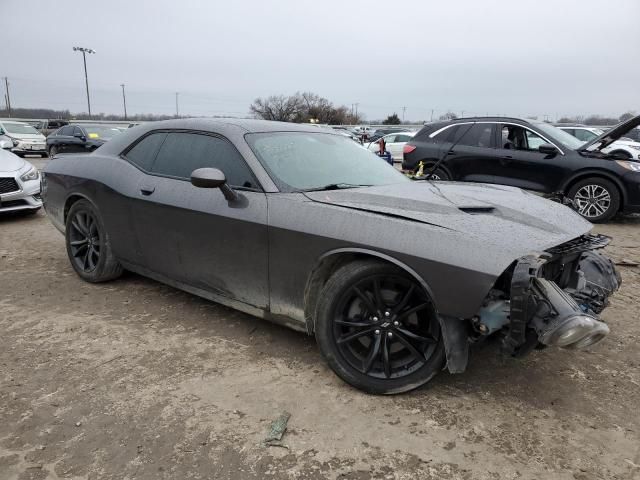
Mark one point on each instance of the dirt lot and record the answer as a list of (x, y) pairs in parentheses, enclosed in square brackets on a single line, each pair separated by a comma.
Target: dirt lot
[(133, 379)]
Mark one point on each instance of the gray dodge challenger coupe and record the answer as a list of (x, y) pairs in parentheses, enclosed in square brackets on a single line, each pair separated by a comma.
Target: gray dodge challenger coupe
[(395, 278)]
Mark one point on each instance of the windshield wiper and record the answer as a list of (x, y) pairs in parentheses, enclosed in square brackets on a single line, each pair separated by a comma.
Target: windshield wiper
[(334, 186)]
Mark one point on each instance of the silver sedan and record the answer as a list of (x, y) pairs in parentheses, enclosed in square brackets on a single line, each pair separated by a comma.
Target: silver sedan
[(19, 184)]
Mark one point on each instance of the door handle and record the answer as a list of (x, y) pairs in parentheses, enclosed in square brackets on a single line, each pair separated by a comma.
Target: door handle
[(451, 152), (509, 157), (147, 189)]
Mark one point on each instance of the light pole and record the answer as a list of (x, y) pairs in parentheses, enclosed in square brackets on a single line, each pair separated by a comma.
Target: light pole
[(124, 101), (177, 111), (86, 78)]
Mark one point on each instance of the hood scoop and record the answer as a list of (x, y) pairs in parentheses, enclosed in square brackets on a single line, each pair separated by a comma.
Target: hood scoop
[(477, 210)]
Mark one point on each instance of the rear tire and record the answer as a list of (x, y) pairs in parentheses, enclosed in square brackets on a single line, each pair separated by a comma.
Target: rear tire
[(88, 245), (52, 151), (596, 199), (377, 328)]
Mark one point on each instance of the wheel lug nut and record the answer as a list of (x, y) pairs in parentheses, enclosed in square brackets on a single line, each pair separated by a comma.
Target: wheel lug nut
[(375, 319), (389, 334), (377, 332), (396, 323), (386, 314)]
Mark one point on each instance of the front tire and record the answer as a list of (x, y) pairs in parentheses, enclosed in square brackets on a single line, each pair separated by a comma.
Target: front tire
[(52, 151), (88, 245), (377, 328), (595, 198)]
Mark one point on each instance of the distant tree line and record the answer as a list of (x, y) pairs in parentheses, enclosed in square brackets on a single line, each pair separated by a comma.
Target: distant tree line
[(67, 115), (597, 119), (303, 108)]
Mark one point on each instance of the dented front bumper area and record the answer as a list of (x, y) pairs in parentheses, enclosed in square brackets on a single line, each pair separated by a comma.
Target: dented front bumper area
[(551, 299)]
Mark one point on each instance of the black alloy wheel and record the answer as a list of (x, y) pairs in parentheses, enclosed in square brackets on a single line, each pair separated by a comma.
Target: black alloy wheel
[(378, 329), (85, 241), (88, 245)]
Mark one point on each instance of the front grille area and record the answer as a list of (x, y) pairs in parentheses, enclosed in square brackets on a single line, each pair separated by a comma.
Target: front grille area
[(13, 203), (8, 185), (585, 242)]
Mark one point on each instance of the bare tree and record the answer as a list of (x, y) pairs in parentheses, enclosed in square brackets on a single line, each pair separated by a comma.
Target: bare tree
[(277, 107)]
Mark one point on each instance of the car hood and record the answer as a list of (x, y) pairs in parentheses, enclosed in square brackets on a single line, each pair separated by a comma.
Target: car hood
[(608, 137), (35, 137), (10, 162), (505, 217)]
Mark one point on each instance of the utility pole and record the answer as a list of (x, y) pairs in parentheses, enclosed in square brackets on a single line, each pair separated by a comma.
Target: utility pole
[(356, 104), (403, 110), (432, 114), (124, 101), (177, 111), (462, 114), (7, 97), (86, 77)]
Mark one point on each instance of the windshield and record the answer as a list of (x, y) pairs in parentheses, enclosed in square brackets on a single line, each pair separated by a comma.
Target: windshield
[(561, 136), (97, 131), (301, 161), (20, 128)]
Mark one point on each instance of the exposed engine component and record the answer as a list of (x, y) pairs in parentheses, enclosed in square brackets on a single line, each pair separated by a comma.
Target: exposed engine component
[(592, 281), (559, 321), (552, 299)]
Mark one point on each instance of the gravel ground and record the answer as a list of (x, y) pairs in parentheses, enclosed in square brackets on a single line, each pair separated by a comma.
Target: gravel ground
[(133, 379)]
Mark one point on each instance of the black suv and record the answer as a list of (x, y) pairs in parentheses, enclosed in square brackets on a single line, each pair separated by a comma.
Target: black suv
[(532, 155)]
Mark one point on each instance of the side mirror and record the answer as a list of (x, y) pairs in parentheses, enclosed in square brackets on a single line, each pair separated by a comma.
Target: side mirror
[(213, 178), (547, 149)]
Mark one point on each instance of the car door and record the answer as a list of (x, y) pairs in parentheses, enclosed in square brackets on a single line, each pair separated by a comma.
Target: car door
[(194, 235), (471, 152), (522, 164), (62, 140), (77, 140)]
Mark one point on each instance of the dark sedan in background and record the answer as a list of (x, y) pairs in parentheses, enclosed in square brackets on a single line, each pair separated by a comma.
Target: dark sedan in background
[(304, 227), (79, 138), (532, 155)]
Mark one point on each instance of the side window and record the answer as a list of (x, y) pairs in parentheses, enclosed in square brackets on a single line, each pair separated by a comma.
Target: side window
[(479, 135), (77, 131), (68, 131), (390, 139), (402, 138), (534, 140), (446, 134), (584, 135), (144, 152), (570, 131), (182, 153), (515, 137)]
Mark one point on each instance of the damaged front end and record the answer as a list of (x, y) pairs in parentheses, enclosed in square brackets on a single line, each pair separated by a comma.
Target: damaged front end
[(551, 299)]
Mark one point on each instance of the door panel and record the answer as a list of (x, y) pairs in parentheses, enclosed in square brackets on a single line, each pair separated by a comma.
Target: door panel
[(471, 155), (525, 167), (195, 236)]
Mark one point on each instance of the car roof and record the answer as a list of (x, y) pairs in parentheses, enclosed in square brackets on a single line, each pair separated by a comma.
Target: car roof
[(228, 127)]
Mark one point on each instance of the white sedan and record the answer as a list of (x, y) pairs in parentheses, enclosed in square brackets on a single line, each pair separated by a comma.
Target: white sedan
[(394, 143), (625, 148), (19, 183)]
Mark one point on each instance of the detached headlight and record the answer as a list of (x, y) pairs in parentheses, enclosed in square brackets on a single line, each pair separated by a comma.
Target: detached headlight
[(32, 174), (633, 166)]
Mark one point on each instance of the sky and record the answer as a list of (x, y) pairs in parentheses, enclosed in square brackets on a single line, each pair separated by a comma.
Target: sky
[(521, 58)]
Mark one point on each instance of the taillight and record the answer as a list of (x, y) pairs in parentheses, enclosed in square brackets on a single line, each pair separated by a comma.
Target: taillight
[(408, 148)]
